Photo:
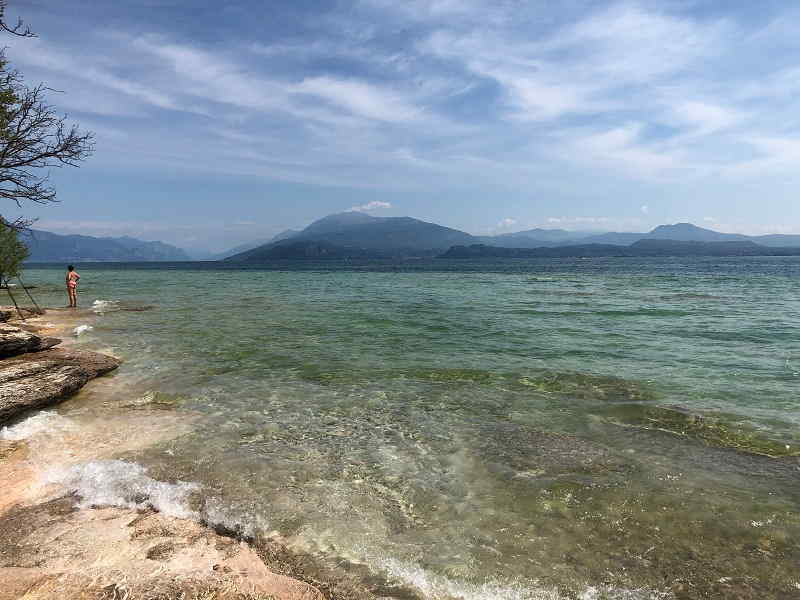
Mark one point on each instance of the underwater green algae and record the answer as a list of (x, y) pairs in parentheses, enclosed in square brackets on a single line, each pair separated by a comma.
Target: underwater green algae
[(155, 399), (580, 386), (585, 386), (711, 431)]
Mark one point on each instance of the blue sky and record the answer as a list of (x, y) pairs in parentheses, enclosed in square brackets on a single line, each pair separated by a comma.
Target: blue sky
[(222, 122)]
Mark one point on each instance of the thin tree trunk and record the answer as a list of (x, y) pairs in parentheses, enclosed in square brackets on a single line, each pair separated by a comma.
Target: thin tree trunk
[(19, 312), (38, 310)]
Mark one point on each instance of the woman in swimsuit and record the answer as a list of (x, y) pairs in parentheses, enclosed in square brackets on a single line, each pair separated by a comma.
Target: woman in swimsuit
[(72, 286)]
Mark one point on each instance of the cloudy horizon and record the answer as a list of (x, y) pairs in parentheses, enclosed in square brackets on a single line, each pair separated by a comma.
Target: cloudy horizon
[(218, 125)]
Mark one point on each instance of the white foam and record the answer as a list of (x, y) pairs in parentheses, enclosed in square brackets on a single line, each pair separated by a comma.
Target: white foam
[(46, 422), (125, 484), (81, 329), (438, 587), (613, 593), (104, 306)]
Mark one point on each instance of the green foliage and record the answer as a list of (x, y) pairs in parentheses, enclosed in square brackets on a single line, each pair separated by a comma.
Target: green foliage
[(12, 252)]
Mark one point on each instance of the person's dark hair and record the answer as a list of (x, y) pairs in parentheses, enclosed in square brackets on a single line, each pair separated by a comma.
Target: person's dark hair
[(70, 268)]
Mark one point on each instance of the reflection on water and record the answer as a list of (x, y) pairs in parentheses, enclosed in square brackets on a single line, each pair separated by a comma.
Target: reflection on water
[(511, 434)]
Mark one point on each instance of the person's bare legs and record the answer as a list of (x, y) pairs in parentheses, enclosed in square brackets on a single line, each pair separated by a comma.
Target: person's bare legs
[(73, 297)]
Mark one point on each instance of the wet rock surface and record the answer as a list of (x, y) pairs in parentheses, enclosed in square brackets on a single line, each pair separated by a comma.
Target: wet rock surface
[(25, 385), (34, 374)]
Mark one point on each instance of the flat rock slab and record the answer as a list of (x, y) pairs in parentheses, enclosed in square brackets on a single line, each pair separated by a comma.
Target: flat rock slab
[(40, 379), (94, 363), (16, 340), (9, 313), (53, 551)]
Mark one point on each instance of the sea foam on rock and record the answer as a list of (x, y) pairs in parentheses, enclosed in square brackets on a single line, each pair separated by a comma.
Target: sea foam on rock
[(45, 422), (125, 484)]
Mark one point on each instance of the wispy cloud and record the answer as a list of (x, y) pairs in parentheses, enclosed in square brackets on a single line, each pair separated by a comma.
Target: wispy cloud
[(582, 102), (374, 205)]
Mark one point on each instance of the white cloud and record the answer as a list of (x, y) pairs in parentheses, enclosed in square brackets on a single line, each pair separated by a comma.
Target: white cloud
[(645, 209), (598, 223), (360, 98), (624, 89), (374, 205)]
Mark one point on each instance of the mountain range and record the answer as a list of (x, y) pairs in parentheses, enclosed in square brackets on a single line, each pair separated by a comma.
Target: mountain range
[(359, 235), (641, 248), (52, 247)]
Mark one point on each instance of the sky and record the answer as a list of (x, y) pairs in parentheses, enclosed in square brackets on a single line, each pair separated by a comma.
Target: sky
[(218, 123)]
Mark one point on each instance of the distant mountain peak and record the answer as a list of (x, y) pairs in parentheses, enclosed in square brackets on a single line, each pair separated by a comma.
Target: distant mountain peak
[(687, 232), (338, 220), (675, 227)]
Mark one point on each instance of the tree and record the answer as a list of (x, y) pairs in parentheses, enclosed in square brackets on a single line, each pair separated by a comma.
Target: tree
[(20, 29), (33, 136), (12, 253)]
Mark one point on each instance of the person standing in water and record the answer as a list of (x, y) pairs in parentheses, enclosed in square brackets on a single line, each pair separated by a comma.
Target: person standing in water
[(72, 286)]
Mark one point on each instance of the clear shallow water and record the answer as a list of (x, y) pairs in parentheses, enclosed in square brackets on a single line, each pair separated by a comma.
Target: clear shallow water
[(479, 430)]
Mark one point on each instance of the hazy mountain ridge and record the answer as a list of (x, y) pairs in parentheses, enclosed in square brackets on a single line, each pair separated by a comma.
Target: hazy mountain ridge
[(359, 235), (686, 232), (283, 235), (641, 248), (45, 246)]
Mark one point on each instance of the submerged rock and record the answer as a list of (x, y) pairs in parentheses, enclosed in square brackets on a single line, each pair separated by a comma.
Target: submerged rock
[(523, 451), (46, 377), (587, 386), (711, 431)]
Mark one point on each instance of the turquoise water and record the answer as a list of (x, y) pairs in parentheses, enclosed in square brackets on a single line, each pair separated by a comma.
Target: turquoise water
[(580, 428)]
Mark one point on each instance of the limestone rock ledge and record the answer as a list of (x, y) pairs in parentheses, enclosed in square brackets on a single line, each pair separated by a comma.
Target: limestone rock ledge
[(53, 550), (14, 340), (38, 379)]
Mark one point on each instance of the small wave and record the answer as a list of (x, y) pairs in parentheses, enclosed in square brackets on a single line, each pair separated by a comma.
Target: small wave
[(126, 484), (439, 587), (81, 329), (103, 306), (43, 422)]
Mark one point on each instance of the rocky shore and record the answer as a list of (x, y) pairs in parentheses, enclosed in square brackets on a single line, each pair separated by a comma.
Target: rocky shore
[(54, 546)]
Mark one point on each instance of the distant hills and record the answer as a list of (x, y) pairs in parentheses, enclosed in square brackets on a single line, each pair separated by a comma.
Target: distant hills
[(254, 244), (686, 232), (52, 247), (641, 248), (359, 235)]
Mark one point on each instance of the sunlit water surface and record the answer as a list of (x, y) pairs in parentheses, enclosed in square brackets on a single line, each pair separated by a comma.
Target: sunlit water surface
[(472, 430)]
